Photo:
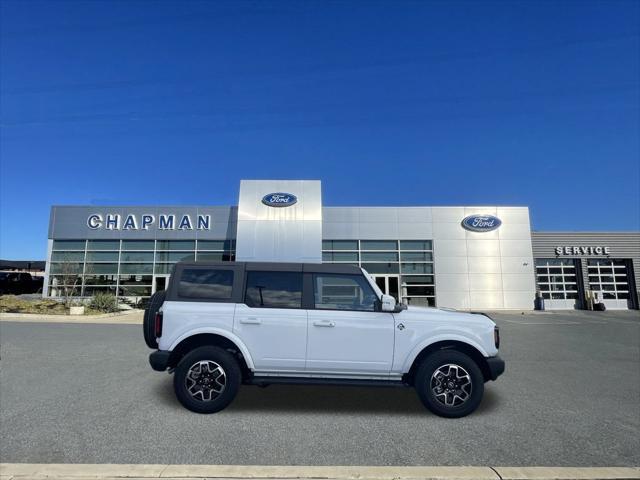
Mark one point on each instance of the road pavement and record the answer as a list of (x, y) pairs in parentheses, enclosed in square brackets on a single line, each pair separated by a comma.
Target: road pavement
[(73, 393)]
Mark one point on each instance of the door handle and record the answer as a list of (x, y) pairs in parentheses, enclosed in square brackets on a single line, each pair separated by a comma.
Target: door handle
[(324, 323), (251, 321)]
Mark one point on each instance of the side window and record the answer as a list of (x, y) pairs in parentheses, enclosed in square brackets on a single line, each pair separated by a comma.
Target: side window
[(343, 292), (274, 289), (206, 283)]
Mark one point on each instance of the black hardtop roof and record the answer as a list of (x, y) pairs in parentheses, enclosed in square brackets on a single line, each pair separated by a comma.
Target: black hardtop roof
[(280, 267)]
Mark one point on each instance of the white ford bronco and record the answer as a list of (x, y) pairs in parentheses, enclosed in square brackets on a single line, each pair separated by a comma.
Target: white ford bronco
[(220, 325)]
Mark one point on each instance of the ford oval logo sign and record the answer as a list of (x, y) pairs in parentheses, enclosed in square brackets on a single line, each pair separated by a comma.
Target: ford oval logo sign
[(481, 223), (279, 199)]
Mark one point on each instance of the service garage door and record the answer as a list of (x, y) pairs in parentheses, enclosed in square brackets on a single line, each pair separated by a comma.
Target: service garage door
[(610, 280), (558, 283)]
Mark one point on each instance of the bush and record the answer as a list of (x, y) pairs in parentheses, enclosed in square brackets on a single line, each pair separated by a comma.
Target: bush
[(104, 302)]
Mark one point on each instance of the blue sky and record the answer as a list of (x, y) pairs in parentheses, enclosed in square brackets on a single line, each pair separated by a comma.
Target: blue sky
[(388, 103)]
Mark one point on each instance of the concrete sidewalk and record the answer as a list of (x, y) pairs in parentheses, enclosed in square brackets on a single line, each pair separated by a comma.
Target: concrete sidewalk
[(128, 317), (23, 471)]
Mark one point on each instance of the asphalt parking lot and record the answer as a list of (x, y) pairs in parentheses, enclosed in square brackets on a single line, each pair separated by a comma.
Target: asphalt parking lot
[(85, 394)]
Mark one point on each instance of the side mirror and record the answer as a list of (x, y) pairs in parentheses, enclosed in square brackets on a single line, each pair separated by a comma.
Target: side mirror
[(388, 303)]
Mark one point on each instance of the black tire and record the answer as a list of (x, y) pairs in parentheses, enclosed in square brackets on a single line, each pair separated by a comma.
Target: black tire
[(436, 402), (148, 323), (232, 380)]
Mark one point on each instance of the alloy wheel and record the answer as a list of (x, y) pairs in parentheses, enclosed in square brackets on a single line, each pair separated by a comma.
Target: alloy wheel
[(206, 380), (451, 385)]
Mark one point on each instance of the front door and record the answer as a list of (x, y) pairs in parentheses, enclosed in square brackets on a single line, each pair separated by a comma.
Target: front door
[(271, 321), (346, 334)]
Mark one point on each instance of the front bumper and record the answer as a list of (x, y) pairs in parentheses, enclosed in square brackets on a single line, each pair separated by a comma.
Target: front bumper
[(496, 367), (159, 360)]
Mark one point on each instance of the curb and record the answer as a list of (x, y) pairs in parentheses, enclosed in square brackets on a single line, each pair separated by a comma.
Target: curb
[(132, 317), (25, 471)]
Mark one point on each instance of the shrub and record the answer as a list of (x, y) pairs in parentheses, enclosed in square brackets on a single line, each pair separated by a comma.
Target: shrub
[(104, 302)]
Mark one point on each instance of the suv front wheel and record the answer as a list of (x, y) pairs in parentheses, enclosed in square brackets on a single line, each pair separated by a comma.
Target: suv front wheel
[(207, 379), (449, 383)]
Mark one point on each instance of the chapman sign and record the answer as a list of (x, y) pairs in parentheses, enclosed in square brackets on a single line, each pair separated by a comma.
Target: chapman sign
[(589, 250), (144, 222)]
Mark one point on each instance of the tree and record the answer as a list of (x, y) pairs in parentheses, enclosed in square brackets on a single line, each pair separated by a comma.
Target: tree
[(67, 277)]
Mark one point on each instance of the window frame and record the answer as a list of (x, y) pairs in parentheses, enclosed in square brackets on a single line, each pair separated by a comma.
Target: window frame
[(245, 283), (173, 293), (376, 306), (214, 271)]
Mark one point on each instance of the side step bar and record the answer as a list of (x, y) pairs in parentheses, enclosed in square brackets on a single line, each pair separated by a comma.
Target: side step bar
[(268, 380)]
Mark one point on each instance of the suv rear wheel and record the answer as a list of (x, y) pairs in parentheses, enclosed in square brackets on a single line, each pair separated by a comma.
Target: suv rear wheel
[(449, 383), (207, 379)]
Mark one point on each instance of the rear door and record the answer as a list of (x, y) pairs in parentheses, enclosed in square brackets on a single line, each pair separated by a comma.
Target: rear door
[(271, 321), (347, 335)]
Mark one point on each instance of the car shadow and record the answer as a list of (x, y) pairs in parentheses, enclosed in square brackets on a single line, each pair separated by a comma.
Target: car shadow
[(326, 399)]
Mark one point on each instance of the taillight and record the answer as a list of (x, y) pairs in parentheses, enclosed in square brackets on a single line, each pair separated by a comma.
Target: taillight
[(158, 325), (496, 336)]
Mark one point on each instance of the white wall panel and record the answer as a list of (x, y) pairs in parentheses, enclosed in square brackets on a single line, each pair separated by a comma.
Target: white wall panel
[(452, 282), (513, 214), (514, 231), (486, 300), (280, 234), (485, 282), (414, 214), (516, 248), (450, 265), (484, 264), (378, 214), (340, 214), (379, 231), (479, 211), (340, 230), (473, 236), (483, 248), (517, 282), (522, 265), (447, 214), (415, 231), (448, 231), (450, 248), (458, 299), (518, 300)]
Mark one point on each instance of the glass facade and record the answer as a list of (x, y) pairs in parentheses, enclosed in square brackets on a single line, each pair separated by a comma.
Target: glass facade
[(126, 268), (402, 268)]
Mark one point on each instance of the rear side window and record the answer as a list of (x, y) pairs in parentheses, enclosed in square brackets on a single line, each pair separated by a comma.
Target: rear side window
[(205, 283), (274, 290)]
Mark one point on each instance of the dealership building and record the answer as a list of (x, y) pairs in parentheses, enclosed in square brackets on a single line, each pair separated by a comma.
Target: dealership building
[(464, 257)]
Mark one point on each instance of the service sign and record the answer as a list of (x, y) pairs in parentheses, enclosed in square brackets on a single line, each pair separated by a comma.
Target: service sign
[(583, 250), (279, 199), (481, 223)]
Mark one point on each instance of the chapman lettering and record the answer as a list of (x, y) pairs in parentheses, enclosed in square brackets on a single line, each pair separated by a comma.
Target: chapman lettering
[(113, 221)]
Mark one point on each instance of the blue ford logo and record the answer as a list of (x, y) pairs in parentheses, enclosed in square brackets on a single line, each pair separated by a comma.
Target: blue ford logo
[(481, 223), (279, 199)]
